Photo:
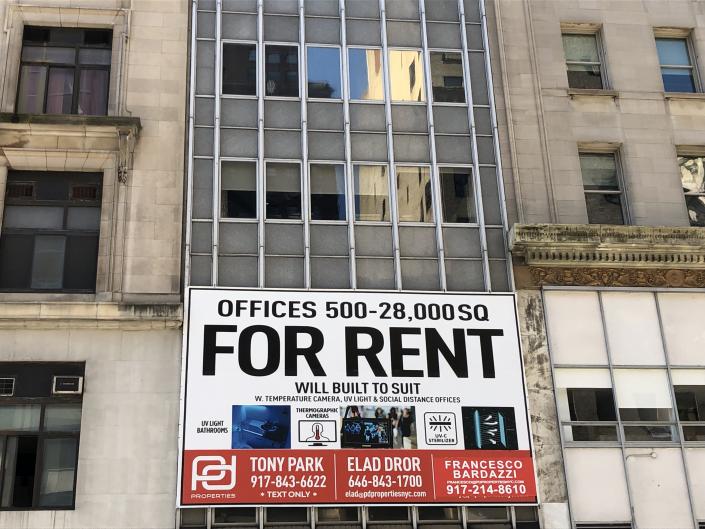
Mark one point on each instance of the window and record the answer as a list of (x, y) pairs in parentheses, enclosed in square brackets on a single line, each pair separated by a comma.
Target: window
[(336, 515), (366, 75), (240, 69), (238, 185), (327, 192), (488, 518), (406, 74), (51, 224), (677, 69), (387, 514), (693, 182), (371, 184), (582, 58), (64, 71), (39, 436), (227, 517), (283, 191), (281, 71), (414, 194), (447, 77), (286, 515), (457, 195), (689, 389), (603, 196), (323, 72)]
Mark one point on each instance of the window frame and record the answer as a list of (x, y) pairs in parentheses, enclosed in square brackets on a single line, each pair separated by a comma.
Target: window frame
[(258, 213), (223, 42), (41, 434), (263, 199), (621, 184), (301, 88), (432, 98), (389, 194), (349, 77), (470, 168), (340, 73), (388, 72), (685, 35), (595, 31), (309, 216), (76, 67)]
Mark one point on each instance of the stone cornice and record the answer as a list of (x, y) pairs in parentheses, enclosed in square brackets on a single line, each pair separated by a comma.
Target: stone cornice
[(97, 315), (599, 246)]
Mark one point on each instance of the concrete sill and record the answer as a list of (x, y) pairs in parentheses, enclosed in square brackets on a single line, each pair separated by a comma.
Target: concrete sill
[(66, 120), (685, 95), (592, 92)]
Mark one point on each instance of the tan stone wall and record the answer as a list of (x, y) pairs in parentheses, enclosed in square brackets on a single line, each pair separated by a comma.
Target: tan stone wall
[(548, 124)]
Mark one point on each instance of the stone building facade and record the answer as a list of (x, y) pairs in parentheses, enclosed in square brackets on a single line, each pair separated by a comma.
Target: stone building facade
[(92, 131), (603, 175)]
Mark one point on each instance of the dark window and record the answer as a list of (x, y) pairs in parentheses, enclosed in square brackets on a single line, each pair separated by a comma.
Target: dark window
[(283, 181), (281, 71), (327, 192), (603, 196), (690, 401), (234, 515), (447, 77), (387, 514), (39, 435), (238, 184), (324, 72), (582, 57), (49, 239), (337, 514), (287, 514), (64, 71), (591, 404), (676, 66), (456, 191), (240, 69)]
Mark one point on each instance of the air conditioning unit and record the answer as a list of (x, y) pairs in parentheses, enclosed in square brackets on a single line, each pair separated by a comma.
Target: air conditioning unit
[(7, 386), (67, 385)]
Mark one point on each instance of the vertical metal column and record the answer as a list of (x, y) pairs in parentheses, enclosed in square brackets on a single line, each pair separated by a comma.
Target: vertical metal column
[(303, 75), (189, 161), (679, 428), (394, 214), (495, 137), (435, 175), (216, 139), (349, 183), (476, 182), (261, 174)]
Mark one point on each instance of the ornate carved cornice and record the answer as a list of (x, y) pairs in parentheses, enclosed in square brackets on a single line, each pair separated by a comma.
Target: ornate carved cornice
[(617, 277), (599, 246)]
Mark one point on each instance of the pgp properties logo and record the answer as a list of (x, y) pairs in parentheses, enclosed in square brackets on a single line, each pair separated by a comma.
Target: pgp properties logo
[(213, 473)]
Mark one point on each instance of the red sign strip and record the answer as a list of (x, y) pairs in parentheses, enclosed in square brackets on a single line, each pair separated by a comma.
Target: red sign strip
[(234, 477)]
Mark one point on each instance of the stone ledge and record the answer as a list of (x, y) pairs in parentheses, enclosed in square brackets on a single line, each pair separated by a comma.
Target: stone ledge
[(608, 246), (592, 92), (90, 314)]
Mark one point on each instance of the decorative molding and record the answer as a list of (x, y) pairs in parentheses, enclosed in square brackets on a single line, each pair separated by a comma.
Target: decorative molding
[(597, 246), (617, 277)]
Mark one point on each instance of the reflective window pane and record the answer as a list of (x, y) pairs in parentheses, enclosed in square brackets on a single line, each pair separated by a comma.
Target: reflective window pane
[(30, 97), (406, 74), (93, 92), (34, 217), (678, 80), (696, 209), (60, 91), (599, 171), (673, 52), (327, 192), (447, 77), (337, 514), (62, 418), (281, 71), (58, 471), (48, 262), (586, 76), (83, 218), (283, 181), (240, 69), (323, 73), (49, 54), (238, 184), (580, 48), (457, 194), (643, 395), (371, 183), (676, 66), (604, 208), (414, 196), (94, 56), (692, 173), (23, 417), (366, 74)]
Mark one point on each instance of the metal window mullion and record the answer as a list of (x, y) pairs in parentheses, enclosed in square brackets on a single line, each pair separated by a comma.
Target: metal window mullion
[(620, 425), (476, 182), (435, 176), (261, 172), (349, 184), (216, 141), (393, 209), (305, 214), (674, 407), (497, 152), (190, 161)]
